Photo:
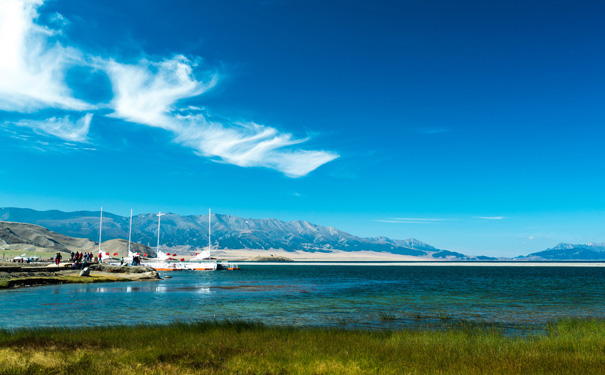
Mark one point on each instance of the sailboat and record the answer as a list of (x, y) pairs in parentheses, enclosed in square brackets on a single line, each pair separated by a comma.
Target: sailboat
[(202, 262), (129, 257), (206, 254), (101, 255)]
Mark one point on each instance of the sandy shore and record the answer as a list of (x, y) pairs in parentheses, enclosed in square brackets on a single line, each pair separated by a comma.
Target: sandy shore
[(305, 256)]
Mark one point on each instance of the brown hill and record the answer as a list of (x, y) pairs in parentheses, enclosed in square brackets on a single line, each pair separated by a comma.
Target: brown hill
[(14, 234)]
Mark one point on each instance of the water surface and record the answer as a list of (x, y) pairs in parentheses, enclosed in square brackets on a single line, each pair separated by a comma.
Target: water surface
[(374, 297)]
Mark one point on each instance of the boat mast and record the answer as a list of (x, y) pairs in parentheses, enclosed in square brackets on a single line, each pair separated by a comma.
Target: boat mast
[(209, 231), (130, 232), (157, 249), (100, 227)]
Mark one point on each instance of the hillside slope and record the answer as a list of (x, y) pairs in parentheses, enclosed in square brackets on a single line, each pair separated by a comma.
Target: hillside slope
[(34, 235), (228, 232)]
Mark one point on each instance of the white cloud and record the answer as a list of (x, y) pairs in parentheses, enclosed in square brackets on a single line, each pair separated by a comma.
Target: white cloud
[(417, 219), (433, 130), (62, 127), (32, 77), (490, 217), (147, 93), (393, 221), (411, 220), (32, 69), (249, 145)]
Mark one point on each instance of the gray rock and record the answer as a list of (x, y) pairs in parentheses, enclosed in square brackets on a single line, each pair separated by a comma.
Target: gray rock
[(85, 272)]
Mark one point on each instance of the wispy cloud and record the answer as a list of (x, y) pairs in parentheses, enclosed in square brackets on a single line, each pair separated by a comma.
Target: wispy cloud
[(147, 93), (490, 217), (250, 145), (64, 127), (32, 77), (411, 220), (418, 219), (402, 221), (433, 130), (32, 68)]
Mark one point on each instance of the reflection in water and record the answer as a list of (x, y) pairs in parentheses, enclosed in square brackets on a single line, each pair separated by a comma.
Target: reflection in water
[(351, 296)]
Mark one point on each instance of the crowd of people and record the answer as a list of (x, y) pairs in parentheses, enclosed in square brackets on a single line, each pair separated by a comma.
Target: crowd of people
[(80, 256), (79, 260)]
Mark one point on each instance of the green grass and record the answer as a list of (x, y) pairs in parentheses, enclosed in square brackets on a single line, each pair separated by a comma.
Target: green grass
[(568, 347)]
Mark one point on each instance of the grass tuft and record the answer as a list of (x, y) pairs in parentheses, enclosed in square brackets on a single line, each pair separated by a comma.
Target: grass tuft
[(240, 347), (387, 316)]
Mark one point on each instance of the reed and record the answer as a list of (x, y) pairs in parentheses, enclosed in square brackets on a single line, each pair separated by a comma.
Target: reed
[(387, 316), (228, 347)]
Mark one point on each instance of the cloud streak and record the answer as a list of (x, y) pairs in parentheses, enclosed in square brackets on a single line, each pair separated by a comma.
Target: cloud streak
[(32, 69), (490, 217), (64, 127), (411, 220), (149, 93)]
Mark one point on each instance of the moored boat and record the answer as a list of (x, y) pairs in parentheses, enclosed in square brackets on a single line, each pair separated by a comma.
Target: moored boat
[(201, 262)]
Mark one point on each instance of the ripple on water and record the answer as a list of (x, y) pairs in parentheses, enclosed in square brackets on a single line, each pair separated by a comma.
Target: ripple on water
[(336, 296)]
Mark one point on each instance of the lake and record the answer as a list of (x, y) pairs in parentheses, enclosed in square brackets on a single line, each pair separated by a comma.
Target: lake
[(323, 295)]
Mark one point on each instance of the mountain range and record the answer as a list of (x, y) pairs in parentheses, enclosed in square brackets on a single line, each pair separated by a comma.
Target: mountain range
[(567, 251), (190, 232), (228, 232)]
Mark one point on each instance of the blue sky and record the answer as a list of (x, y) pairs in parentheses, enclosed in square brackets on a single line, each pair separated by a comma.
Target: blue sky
[(474, 126)]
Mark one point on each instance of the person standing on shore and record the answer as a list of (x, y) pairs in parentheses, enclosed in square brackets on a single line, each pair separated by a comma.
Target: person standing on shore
[(58, 258)]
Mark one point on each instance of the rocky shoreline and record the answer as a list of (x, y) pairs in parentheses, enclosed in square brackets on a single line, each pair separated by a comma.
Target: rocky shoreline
[(12, 276)]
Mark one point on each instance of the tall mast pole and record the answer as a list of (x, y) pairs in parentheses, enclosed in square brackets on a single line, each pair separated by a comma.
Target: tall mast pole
[(130, 232), (209, 231), (100, 227), (157, 249)]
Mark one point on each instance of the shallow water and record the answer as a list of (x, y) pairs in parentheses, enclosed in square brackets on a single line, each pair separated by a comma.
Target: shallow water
[(323, 295)]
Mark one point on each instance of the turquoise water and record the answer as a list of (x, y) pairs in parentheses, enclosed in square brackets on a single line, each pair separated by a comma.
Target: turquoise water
[(373, 297)]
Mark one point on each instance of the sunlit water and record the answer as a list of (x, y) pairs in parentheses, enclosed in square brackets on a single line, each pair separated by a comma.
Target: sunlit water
[(322, 295)]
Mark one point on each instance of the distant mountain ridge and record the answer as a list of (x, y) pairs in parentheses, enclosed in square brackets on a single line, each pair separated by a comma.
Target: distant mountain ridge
[(228, 232), (567, 251), (232, 232)]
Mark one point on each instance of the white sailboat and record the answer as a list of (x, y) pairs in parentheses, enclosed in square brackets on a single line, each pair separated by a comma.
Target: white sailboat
[(204, 255), (101, 255), (201, 262), (130, 253), (160, 255)]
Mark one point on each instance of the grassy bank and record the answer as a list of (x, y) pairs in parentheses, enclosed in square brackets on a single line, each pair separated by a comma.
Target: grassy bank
[(569, 347)]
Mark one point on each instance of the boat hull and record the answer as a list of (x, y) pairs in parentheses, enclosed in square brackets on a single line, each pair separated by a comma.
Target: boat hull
[(182, 266)]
